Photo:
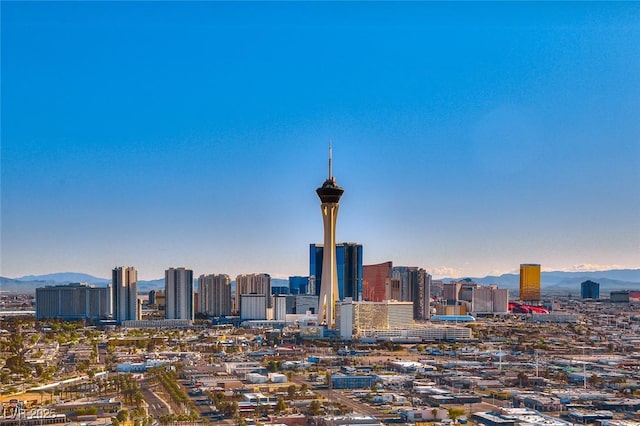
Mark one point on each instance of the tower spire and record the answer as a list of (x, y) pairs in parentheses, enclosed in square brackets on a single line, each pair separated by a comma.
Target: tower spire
[(330, 159)]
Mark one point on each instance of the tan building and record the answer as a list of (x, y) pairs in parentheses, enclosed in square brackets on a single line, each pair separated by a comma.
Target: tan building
[(124, 294), (215, 295), (353, 317), (253, 284)]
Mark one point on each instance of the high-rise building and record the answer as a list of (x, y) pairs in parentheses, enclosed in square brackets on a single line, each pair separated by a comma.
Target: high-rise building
[(392, 289), (590, 290), (415, 286), (450, 292), (348, 266), (215, 295), (329, 194), (530, 282), (157, 299), (124, 291), (178, 290), (299, 285), (72, 302), (485, 299), (422, 296), (374, 279), (253, 284), (436, 288)]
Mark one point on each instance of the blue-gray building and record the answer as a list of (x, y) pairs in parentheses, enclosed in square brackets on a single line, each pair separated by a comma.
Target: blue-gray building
[(351, 381), (298, 285), (349, 264), (590, 290), (74, 301)]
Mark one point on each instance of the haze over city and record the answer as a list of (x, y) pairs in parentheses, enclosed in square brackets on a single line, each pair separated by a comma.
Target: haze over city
[(469, 138)]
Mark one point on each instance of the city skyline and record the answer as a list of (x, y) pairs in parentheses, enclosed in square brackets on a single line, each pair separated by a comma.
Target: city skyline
[(472, 138)]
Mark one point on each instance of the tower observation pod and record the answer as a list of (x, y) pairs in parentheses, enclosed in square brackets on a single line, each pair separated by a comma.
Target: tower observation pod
[(329, 194)]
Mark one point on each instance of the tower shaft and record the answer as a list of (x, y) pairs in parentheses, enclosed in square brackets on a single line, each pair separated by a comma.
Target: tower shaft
[(329, 285)]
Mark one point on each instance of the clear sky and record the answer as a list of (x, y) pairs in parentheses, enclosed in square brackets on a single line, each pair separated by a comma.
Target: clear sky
[(469, 137)]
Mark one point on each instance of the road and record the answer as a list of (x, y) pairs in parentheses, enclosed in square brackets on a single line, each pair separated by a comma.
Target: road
[(157, 406)]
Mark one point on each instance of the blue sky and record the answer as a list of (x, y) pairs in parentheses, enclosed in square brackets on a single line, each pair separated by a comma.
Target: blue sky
[(469, 137)]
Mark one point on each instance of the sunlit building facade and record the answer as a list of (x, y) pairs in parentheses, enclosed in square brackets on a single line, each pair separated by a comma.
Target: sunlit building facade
[(530, 282), (253, 284), (354, 316), (414, 286), (215, 294), (124, 294), (178, 291), (374, 279), (72, 302)]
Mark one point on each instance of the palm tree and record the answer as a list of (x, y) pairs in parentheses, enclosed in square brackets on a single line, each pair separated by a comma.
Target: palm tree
[(522, 378), (315, 407), (280, 406), (594, 380)]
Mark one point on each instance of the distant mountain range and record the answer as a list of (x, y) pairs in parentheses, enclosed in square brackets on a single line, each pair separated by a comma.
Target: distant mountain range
[(568, 282), (29, 283), (557, 282)]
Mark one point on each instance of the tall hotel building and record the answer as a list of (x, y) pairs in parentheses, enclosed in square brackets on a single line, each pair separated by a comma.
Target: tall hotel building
[(349, 269), (257, 284), (374, 281), (530, 282), (590, 290), (124, 291), (300, 285), (178, 290), (72, 302), (482, 300), (414, 285), (215, 295)]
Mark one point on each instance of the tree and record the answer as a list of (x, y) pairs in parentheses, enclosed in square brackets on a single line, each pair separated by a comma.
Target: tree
[(434, 413), (291, 391), (280, 406), (315, 407), (122, 415), (523, 379), (455, 413)]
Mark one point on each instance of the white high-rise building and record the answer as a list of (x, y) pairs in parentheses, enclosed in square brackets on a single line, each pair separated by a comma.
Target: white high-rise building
[(178, 284), (124, 292), (215, 295)]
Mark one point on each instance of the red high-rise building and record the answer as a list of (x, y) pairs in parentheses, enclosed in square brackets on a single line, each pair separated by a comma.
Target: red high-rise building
[(374, 279)]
